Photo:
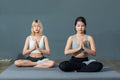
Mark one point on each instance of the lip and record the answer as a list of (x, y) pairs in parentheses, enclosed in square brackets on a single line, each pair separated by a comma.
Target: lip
[(36, 30)]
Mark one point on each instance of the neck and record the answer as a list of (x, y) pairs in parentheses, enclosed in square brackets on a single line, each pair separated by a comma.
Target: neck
[(80, 34), (37, 34)]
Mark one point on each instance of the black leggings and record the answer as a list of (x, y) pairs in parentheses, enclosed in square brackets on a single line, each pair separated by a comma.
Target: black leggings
[(75, 64)]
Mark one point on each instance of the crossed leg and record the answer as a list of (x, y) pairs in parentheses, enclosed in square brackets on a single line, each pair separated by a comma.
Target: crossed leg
[(24, 63), (46, 64)]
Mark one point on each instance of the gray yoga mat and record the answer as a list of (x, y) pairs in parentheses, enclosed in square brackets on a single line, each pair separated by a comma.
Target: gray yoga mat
[(32, 73)]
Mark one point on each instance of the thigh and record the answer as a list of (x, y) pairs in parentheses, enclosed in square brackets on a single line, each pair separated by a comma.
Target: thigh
[(22, 61), (92, 67), (95, 66), (66, 66)]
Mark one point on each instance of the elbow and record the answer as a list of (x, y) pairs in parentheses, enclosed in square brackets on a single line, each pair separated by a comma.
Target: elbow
[(48, 52), (23, 52), (66, 52), (94, 53)]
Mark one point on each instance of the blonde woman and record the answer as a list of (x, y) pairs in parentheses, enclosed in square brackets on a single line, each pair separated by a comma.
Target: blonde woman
[(36, 46)]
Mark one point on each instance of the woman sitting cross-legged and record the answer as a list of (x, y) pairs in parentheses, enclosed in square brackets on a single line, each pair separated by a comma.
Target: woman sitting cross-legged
[(80, 45), (36, 46)]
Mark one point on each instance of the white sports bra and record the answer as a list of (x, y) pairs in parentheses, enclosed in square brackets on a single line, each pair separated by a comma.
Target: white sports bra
[(41, 44)]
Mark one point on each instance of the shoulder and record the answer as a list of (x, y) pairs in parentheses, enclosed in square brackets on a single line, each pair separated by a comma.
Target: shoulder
[(71, 37), (28, 37), (44, 36), (90, 37)]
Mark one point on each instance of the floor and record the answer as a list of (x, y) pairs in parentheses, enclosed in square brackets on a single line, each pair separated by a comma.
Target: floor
[(4, 65), (114, 64)]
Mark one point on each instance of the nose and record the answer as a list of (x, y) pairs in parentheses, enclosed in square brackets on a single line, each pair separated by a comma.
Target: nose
[(80, 27)]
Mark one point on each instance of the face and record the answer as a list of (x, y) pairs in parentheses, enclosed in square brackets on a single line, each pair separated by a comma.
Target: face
[(80, 27), (36, 28)]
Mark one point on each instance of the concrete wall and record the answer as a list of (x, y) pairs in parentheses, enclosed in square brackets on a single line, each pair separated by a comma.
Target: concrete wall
[(57, 16)]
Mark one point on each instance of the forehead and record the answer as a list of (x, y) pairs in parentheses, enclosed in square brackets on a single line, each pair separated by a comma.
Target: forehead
[(36, 24), (80, 23)]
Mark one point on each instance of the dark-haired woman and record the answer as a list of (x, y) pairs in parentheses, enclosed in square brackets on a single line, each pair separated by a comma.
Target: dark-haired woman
[(80, 45)]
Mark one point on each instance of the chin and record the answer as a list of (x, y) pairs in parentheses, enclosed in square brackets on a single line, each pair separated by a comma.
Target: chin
[(36, 31)]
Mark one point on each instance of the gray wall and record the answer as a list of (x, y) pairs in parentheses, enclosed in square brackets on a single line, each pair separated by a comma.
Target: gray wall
[(57, 16)]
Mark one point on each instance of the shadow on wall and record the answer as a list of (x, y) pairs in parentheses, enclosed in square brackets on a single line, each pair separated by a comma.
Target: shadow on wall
[(20, 56)]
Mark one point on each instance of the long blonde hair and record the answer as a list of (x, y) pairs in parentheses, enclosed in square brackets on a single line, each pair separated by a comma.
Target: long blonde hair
[(41, 27)]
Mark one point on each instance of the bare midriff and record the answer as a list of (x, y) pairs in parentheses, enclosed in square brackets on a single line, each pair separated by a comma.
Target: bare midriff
[(36, 55), (80, 55)]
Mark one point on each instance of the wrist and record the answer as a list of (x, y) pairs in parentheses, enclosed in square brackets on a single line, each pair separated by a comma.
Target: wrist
[(81, 50), (32, 49), (39, 49)]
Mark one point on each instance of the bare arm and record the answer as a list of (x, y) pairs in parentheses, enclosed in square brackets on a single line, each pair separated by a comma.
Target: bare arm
[(68, 49), (91, 51), (47, 48)]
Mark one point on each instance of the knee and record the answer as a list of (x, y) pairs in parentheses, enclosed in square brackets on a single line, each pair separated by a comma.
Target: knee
[(17, 63), (52, 64), (97, 66), (63, 66)]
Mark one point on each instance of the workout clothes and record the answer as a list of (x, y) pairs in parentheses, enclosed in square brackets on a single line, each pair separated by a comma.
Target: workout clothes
[(40, 43)]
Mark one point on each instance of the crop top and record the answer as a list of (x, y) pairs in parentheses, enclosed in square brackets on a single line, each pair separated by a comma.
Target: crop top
[(76, 45), (40, 43)]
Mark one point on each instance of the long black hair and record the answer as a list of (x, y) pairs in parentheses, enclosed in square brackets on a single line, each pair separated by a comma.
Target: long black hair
[(82, 19)]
